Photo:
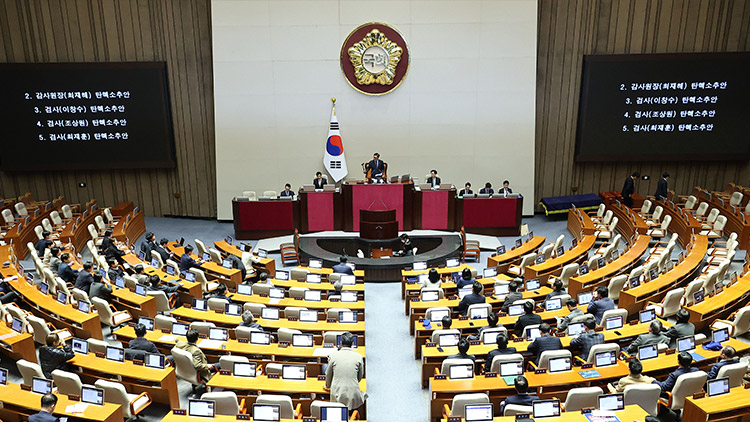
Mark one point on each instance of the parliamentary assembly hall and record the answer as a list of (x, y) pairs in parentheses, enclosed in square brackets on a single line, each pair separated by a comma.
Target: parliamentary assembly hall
[(375, 210)]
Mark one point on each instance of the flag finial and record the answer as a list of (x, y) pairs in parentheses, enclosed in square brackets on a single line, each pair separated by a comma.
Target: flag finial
[(333, 100)]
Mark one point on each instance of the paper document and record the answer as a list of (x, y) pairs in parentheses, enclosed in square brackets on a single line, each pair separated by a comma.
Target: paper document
[(167, 338)]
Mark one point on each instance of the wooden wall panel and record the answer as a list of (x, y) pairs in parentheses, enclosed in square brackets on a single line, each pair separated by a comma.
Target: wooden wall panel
[(568, 29), (175, 31)]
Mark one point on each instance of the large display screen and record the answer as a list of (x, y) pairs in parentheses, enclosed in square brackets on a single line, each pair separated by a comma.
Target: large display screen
[(664, 107), (59, 116)]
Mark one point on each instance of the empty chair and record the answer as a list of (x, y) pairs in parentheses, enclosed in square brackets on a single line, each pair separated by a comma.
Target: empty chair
[(708, 223), (273, 368), (109, 217), (157, 256), (29, 370), (547, 251), (293, 311), (80, 295), (201, 247), (701, 210), (604, 222), (669, 305), (97, 346), (738, 323), (317, 404), (717, 249), (67, 382), (736, 199), (202, 327), (579, 398), (262, 288), (690, 203), (568, 271), (559, 242), (609, 232), (244, 332), (615, 286), (270, 193), (250, 194), (200, 277), (163, 322), (710, 281), (290, 251), (688, 298), (735, 371), (175, 266), (108, 315), (458, 406), (255, 308), (285, 334), (655, 217), (21, 210), (717, 230), (226, 402), (685, 386), (162, 301), (285, 402), (131, 404), (215, 256), (8, 217), (645, 208), (297, 292), (99, 221), (228, 361), (526, 260), (599, 212), (299, 274), (599, 348), (217, 304), (47, 225), (479, 306), (43, 328), (661, 230), (440, 292), (644, 395)]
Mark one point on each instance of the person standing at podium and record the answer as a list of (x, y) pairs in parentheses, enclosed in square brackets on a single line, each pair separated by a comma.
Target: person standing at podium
[(376, 167), (629, 189), (319, 181), (433, 180)]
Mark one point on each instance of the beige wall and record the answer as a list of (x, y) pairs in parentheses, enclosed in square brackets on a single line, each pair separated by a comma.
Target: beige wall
[(466, 107)]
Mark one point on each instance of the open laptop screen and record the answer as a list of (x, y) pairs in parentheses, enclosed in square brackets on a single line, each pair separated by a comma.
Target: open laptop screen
[(257, 337), (92, 395), (201, 408), (448, 340), (613, 323), (41, 385), (611, 402), (153, 360), (266, 412), (245, 369), (648, 352), (605, 358), (718, 386), (80, 346), (560, 364), (647, 315), (293, 372), (116, 354), (546, 408), (461, 371), (419, 266), (509, 369), (479, 412), (721, 335), (685, 344), (334, 414)]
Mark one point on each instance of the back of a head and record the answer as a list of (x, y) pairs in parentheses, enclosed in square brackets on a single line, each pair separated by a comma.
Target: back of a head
[(342, 259), (112, 262), (154, 280), (87, 266), (338, 285), (447, 322), (55, 250), (502, 341), (665, 175), (433, 275), (589, 323), (150, 236), (513, 285), (476, 287), (603, 291), (636, 174), (728, 351), (635, 366), (97, 277), (263, 276), (685, 359), (65, 256), (463, 346), (572, 303), (221, 289), (48, 400), (655, 327), (492, 319), (188, 249), (51, 339), (107, 233), (45, 233), (521, 384), (466, 274), (140, 330), (247, 317), (683, 316), (528, 307), (192, 336), (138, 269), (347, 339), (545, 328), (558, 285)]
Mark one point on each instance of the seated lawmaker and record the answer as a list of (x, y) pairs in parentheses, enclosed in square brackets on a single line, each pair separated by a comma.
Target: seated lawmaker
[(42, 243), (588, 339), (727, 357), (654, 336), (522, 396), (545, 342), (155, 283), (506, 189), (65, 271), (502, 349), (557, 290), (600, 303), (140, 342), (573, 312), (635, 377), (341, 267), (433, 180), (287, 191), (115, 270), (100, 289), (85, 278), (685, 360), (463, 351), (319, 181), (161, 249), (187, 262), (200, 363), (48, 404), (492, 322), (528, 318), (466, 190), (487, 189), (472, 298), (433, 279), (55, 355), (249, 321), (465, 280), (683, 328), (513, 294)]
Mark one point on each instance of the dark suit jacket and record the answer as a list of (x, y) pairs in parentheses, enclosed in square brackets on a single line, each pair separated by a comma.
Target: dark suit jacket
[(661, 188), (100, 290), (629, 187), (463, 192), (41, 245), (140, 343), (668, 384), (510, 298), (320, 182), (524, 320), (434, 181), (497, 352), (162, 252), (51, 358), (342, 269), (66, 273), (463, 283), (377, 167), (84, 280), (519, 399), (714, 372), (597, 308), (544, 343), (489, 191), (187, 262), (42, 417), (114, 273), (502, 191), (470, 299), (287, 193)]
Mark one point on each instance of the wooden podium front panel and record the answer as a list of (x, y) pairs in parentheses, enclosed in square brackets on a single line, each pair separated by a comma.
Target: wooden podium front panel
[(258, 219), (380, 197)]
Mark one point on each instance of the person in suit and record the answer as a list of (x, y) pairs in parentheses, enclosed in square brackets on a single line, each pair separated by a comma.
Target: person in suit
[(465, 280), (140, 342), (682, 328), (588, 339), (600, 303), (502, 349), (487, 189), (161, 249), (654, 336), (661, 187), (187, 262), (528, 318), (99, 289), (727, 357), (557, 290), (573, 312), (200, 363), (466, 190), (522, 396), (471, 299), (685, 360), (513, 294), (287, 191), (221, 293), (49, 402), (492, 322), (319, 181), (407, 248), (237, 264), (85, 278), (545, 342), (377, 167), (139, 273), (506, 190), (629, 189), (155, 283), (345, 370), (433, 279), (248, 321), (148, 245), (110, 249), (433, 180), (463, 351), (55, 355), (342, 268), (65, 271), (635, 377), (41, 244), (54, 259), (115, 270)]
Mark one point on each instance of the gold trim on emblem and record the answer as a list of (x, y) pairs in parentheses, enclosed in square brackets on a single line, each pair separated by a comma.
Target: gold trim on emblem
[(375, 59)]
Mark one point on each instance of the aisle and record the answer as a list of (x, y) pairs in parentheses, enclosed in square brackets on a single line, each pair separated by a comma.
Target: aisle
[(393, 376)]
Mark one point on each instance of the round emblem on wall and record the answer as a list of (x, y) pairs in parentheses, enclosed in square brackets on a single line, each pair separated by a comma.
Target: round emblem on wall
[(375, 59)]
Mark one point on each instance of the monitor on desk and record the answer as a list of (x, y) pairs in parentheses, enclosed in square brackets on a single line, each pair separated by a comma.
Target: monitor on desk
[(648, 352), (502, 289), (245, 369), (500, 250), (148, 322), (613, 323), (312, 295), (686, 344), (646, 316), (228, 239), (302, 340), (462, 292), (575, 328), (560, 364), (605, 358), (92, 395), (437, 315), (348, 296), (312, 278), (533, 284), (276, 293), (206, 257), (451, 262), (140, 290), (511, 369), (448, 340), (44, 287), (154, 360), (3, 376), (80, 346), (419, 266), (220, 334), (189, 276), (200, 304), (584, 268), (120, 282), (17, 325), (348, 317), (698, 296), (334, 414), (308, 315), (479, 313), (553, 304), (141, 256), (257, 337), (489, 272), (461, 371), (202, 408), (611, 402), (282, 275), (226, 264), (490, 337), (653, 274), (179, 329), (155, 263), (315, 263), (62, 298), (293, 372), (585, 298), (532, 333), (41, 385), (515, 310), (266, 412), (269, 313), (348, 280), (717, 386), (545, 408), (245, 289), (720, 336), (429, 295), (262, 253), (634, 282), (170, 270), (234, 309), (116, 354)]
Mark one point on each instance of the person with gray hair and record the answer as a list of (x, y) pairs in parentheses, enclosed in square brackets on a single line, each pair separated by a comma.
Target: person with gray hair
[(727, 357), (345, 370), (654, 336), (248, 321)]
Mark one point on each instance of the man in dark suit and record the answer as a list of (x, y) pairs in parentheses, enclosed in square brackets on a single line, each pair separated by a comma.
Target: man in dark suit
[(114, 270), (161, 249), (465, 280), (463, 351), (186, 261), (156, 284), (466, 190), (65, 272), (471, 299), (140, 342), (529, 318), (682, 328), (487, 189), (377, 166), (110, 250), (685, 360), (513, 294), (49, 402), (99, 289), (522, 396), (85, 278), (600, 303), (545, 342), (502, 349), (662, 187), (41, 244), (726, 358), (629, 188), (287, 191), (433, 180), (342, 268), (588, 339), (506, 190), (319, 181), (407, 248), (148, 245)]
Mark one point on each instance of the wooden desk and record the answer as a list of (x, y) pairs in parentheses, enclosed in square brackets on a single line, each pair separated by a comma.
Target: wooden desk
[(161, 384), (322, 286), (264, 384), (554, 266), (18, 404), (720, 305), (628, 221), (266, 264), (137, 305), (230, 276), (261, 219), (413, 289), (25, 233), (17, 346), (683, 223), (513, 256), (730, 406), (736, 221), (283, 303), (78, 234), (128, 230), (600, 276), (631, 413), (188, 290), (171, 417), (442, 271), (580, 223)]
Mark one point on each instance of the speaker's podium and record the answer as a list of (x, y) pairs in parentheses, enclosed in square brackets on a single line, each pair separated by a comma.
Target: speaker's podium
[(378, 225)]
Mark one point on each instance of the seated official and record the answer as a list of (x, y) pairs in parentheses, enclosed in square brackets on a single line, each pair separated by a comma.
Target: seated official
[(248, 321), (727, 357), (319, 181), (522, 396), (502, 349), (85, 278), (55, 355), (140, 342), (635, 377), (407, 248), (588, 339), (7, 294), (139, 273), (600, 303), (463, 351), (65, 271), (221, 293), (545, 342), (47, 252), (557, 290), (529, 318), (237, 264), (573, 312), (487, 189), (683, 328), (100, 289), (155, 283), (505, 190), (54, 259), (115, 270), (433, 180), (492, 322), (342, 268), (466, 190), (654, 336), (338, 286), (200, 363), (49, 402), (109, 248), (376, 166), (433, 279), (446, 322), (148, 245), (685, 360), (287, 191), (161, 249), (471, 299), (187, 262), (41, 244), (513, 294), (465, 280)]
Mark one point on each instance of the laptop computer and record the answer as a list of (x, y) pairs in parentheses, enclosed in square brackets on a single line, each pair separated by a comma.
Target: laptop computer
[(720, 336), (266, 412), (545, 409), (448, 340), (348, 296), (3, 376), (501, 289), (147, 322), (309, 315), (451, 262), (200, 304), (605, 358), (17, 325), (302, 340), (234, 309), (649, 351), (348, 317), (510, 370), (153, 360), (461, 372), (515, 310), (348, 280), (260, 338), (245, 369), (717, 387), (293, 372), (315, 263), (489, 272), (553, 304), (585, 298), (575, 328), (276, 293), (646, 316), (218, 334), (419, 266), (312, 295), (478, 313), (179, 329), (245, 289), (269, 313), (560, 364), (490, 337), (437, 315), (334, 414), (312, 278), (613, 323), (281, 275), (80, 346), (611, 402), (532, 333), (140, 290), (41, 385), (533, 284), (687, 344), (202, 408), (92, 395), (115, 354)]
